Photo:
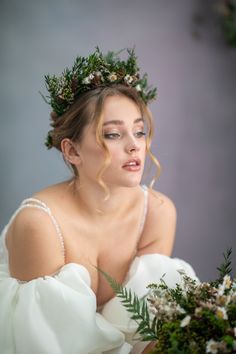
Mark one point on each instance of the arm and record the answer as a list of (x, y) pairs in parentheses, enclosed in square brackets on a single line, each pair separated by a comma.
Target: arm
[(159, 232), (160, 227), (33, 246), (149, 347)]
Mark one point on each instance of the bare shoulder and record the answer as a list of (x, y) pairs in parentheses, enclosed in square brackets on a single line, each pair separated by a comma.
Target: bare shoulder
[(160, 203), (52, 191), (33, 245), (160, 225)]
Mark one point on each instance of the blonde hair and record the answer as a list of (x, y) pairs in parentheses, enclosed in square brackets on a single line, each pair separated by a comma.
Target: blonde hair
[(88, 108)]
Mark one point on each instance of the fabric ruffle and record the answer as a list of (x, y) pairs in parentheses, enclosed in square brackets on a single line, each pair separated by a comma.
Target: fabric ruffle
[(57, 314)]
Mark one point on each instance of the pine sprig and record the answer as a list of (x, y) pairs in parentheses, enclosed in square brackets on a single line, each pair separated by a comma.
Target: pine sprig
[(224, 268)]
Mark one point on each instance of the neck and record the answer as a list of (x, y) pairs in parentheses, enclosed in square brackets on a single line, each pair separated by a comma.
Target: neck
[(90, 198)]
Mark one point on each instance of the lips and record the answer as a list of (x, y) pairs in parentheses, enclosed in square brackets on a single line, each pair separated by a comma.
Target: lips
[(132, 162)]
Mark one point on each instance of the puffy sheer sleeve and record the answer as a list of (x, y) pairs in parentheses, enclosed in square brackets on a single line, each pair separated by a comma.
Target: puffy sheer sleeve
[(55, 315)]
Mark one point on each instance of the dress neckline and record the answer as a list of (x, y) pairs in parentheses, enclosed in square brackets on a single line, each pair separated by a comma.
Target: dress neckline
[(36, 202)]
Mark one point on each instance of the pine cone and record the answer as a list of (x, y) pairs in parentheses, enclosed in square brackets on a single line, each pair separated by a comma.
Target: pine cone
[(97, 79), (74, 84), (120, 73)]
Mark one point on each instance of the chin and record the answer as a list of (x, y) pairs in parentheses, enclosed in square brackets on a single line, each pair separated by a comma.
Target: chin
[(129, 183)]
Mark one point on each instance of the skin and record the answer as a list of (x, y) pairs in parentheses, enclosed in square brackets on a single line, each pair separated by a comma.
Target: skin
[(92, 228)]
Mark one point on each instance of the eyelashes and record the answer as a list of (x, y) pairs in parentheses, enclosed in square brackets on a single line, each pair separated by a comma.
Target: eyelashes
[(140, 134), (111, 136), (114, 136)]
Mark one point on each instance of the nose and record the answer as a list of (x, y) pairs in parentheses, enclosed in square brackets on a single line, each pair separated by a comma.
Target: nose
[(132, 146)]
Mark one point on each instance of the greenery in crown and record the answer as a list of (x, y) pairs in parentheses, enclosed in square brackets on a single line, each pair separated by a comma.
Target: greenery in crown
[(95, 70)]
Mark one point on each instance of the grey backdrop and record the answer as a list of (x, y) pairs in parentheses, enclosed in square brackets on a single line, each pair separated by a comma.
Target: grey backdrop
[(194, 116)]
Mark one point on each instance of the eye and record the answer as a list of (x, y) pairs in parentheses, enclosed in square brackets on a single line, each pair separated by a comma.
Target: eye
[(111, 135), (140, 134)]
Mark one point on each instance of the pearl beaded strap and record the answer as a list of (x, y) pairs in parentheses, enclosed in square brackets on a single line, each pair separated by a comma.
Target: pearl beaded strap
[(37, 203), (145, 191)]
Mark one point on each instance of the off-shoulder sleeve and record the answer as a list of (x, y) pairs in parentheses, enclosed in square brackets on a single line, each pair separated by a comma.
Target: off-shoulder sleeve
[(144, 270), (55, 315)]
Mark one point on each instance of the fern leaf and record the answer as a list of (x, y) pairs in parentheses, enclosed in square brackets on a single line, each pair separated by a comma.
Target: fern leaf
[(137, 307)]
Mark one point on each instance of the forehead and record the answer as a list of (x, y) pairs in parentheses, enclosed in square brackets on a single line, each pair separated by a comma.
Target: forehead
[(120, 108), (119, 111)]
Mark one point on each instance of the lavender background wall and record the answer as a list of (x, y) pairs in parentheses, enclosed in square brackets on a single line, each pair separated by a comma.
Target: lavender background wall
[(194, 116)]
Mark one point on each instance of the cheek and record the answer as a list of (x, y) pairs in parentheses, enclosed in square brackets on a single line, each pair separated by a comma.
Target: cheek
[(115, 153), (92, 156)]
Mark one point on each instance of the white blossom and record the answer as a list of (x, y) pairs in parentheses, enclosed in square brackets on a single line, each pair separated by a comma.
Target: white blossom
[(221, 290), (221, 313), (212, 347), (91, 77), (112, 77), (227, 281), (86, 80), (180, 309), (129, 79), (226, 284), (138, 87), (185, 321), (223, 300)]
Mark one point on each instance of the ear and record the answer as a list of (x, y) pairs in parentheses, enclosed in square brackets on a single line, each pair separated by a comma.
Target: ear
[(70, 151)]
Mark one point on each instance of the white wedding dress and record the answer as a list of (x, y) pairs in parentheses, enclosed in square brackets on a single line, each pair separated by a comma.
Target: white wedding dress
[(57, 314)]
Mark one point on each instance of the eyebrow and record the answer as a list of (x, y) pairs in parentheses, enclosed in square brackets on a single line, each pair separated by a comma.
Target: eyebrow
[(121, 122)]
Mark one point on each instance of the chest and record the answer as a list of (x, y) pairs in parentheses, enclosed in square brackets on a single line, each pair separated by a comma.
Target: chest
[(110, 247)]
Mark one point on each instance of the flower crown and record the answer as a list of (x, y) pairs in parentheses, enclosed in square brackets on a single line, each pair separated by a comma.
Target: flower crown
[(94, 71)]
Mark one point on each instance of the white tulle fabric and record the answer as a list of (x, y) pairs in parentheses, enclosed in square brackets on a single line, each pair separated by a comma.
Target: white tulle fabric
[(58, 315)]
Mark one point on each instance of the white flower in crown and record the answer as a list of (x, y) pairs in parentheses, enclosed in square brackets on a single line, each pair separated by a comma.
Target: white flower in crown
[(185, 321), (86, 80), (138, 87), (129, 79), (221, 313), (212, 346), (62, 81), (112, 77)]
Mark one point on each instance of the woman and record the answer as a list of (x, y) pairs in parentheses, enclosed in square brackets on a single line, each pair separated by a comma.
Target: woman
[(52, 297)]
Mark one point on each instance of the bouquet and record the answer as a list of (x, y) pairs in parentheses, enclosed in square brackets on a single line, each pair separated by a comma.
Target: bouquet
[(192, 318)]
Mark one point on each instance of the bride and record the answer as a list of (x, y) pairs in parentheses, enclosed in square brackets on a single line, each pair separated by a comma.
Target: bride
[(53, 300)]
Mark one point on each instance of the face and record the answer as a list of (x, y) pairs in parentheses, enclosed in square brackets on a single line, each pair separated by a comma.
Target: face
[(124, 135)]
